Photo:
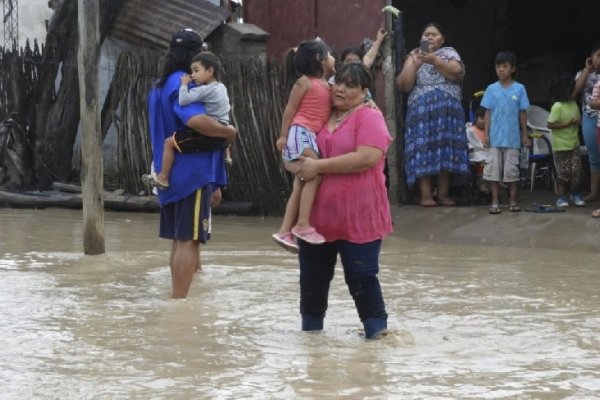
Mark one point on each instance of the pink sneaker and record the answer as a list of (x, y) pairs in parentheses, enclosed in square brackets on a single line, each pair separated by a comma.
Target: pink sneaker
[(309, 235), (286, 240)]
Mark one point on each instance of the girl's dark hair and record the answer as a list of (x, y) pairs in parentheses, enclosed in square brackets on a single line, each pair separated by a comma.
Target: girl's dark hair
[(595, 48), (209, 60), (357, 51), (480, 113), (506, 57), (561, 88), (177, 59), (354, 75), (307, 57)]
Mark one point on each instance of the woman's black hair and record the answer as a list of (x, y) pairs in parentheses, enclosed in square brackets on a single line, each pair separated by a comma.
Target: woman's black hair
[(306, 59), (357, 51), (561, 88), (177, 59), (354, 75), (436, 26), (184, 44), (209, 60), (595, 48)]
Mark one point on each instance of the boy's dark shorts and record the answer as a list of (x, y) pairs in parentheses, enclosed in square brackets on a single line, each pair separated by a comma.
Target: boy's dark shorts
[(189, 218), (190, 141)]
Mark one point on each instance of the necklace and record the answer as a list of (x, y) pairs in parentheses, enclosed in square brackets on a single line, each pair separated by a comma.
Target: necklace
[(339, 118)]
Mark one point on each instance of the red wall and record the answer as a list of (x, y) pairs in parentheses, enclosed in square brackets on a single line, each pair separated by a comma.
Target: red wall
[(340, 23)]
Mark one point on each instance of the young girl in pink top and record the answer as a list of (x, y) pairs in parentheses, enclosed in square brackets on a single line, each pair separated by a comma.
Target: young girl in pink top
[(308, 107)]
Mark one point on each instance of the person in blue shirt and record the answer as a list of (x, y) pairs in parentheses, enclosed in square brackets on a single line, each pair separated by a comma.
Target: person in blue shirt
[(196, 178), (506, 103)]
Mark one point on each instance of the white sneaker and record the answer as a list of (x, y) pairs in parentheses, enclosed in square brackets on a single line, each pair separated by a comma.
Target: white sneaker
[(577, 200), (562, 202)]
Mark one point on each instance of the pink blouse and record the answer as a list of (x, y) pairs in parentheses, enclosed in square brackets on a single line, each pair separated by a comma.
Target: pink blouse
[(315, 106), (353, 207)]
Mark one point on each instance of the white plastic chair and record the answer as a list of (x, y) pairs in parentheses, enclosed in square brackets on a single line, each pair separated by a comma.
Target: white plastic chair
[(537, 121)]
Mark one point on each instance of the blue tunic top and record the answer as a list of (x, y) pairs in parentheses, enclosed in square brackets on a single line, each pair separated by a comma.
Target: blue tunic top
[(190, 171)]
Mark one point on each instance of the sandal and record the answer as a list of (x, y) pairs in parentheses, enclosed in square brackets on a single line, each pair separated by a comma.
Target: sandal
[(495, 209), (286, 240), (514, 208), (152, 181), (596, 213), (309, 235)]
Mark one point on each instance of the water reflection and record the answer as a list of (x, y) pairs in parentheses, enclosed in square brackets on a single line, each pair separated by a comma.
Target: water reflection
[(466, 321)]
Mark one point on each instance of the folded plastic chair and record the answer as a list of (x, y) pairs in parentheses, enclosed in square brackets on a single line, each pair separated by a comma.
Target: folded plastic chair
[(541, 148)]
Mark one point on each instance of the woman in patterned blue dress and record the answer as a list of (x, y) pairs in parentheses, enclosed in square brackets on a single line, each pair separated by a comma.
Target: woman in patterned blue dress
[(435, 139)]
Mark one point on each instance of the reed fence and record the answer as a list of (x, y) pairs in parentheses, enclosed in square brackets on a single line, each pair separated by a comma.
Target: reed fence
[(258, 91)]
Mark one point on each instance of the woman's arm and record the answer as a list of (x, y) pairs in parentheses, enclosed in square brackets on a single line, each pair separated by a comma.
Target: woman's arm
[(209, 126), (582, 78), (371, 55), (408, 76), (363, 158)]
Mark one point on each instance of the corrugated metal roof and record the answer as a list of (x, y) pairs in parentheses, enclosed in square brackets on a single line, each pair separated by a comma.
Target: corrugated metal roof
[(151, 23)]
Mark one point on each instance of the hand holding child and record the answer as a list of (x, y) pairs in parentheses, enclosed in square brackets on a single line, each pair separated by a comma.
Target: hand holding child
[(307, 168)]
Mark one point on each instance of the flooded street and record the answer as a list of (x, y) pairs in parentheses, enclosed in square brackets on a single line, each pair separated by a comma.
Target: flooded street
[(469, 319)]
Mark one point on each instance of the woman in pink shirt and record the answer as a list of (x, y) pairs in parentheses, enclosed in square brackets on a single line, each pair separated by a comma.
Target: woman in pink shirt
[(351, 208)]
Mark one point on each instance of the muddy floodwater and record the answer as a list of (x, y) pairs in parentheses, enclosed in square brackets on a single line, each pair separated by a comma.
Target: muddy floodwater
[(470, 317)]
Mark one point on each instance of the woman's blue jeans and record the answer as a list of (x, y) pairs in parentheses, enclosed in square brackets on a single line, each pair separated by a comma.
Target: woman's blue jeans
[(588, 129), (361, 266)]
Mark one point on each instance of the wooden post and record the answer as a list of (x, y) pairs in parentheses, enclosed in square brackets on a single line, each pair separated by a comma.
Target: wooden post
[(88, 57), (389, 82), (399, 53)]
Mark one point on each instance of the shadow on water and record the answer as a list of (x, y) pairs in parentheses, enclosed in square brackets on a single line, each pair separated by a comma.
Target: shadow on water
[(466, 321)]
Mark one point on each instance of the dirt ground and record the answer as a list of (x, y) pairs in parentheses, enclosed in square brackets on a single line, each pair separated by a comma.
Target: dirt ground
[(573, 229)]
